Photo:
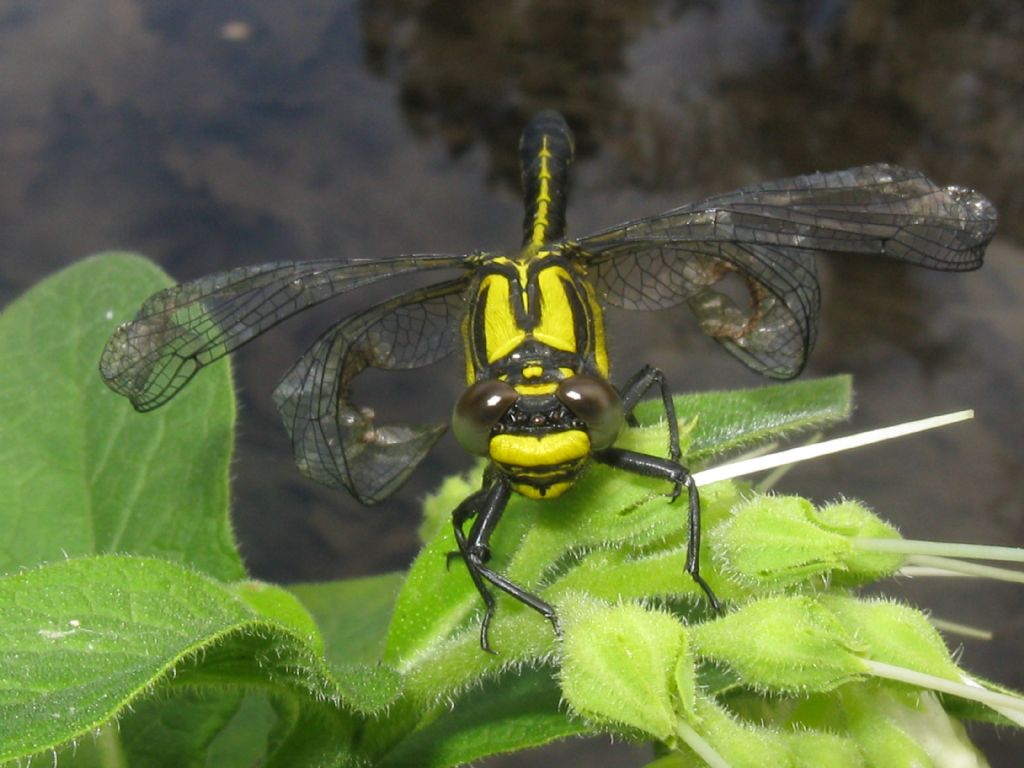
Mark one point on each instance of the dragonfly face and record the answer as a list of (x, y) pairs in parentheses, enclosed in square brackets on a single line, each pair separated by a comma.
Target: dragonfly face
[(538, 403)]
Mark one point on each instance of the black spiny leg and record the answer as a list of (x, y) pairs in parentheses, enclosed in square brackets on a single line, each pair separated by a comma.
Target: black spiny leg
[(486, 506), (636, 388), (669, 469)]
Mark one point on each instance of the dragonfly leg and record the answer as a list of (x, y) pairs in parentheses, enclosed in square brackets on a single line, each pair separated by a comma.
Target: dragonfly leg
[(486, 507), (636, 388), (680, 477)]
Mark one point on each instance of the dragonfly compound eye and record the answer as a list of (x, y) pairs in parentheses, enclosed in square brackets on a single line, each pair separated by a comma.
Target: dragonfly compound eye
[(478, 410), (596, 403)]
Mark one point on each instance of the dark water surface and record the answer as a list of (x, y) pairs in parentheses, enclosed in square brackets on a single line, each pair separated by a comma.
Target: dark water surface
[(210, 134)]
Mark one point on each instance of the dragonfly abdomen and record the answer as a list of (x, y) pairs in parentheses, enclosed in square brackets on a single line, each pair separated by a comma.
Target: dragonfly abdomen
[(545, 152)]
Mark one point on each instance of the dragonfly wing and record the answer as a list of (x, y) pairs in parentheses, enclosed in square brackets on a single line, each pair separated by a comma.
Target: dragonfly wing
[(181, 329), (338, 443), (760, 303), (768, 235)]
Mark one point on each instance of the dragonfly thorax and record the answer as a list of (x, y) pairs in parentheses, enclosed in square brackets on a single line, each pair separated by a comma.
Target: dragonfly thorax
[(531, 316)]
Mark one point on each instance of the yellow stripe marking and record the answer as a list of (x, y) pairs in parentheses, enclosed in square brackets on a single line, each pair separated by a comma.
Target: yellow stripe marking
[(543, 201), (597, 327), (523, 268), (537, 389), (557, 326), (501, 331)]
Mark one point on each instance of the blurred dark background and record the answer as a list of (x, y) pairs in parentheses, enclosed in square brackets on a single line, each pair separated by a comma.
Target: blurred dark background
[(208, 134)]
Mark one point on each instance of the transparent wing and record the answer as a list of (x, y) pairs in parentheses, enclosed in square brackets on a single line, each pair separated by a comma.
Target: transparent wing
[(335, 441), (181, 329), (760, 303), (766, 237)]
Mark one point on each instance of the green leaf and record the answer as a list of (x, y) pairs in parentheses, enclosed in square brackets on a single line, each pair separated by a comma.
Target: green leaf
[(278, 604), (81, 640), (853, 520), (102, 750), (80, 471), (753, 741), (816, 749), (904, 730), (725, 421), (310, 734), (353, 615), (623, 572), (518, 712), (175, 730), (242, 743), (153, 736), (742, 744), (435, 601)]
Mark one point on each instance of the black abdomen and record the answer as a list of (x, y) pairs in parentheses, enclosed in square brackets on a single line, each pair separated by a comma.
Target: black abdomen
[(545, 153)]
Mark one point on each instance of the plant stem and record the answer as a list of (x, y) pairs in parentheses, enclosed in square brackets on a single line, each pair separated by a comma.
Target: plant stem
[(1000, 702), (942, 549), (949, 566), (964, 630), (700, 746)]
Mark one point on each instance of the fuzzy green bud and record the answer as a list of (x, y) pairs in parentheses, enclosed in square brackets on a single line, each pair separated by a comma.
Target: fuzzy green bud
[(895, 634), (905, 730), (741, 744), (627, 665), (783, 644), (855, 521), (774, 542), (777, 542)]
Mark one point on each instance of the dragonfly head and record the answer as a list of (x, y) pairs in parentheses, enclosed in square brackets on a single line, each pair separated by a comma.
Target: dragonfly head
[(540, 441)]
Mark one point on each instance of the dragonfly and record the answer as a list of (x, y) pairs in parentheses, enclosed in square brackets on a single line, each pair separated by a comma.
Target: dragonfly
[(538, 403)]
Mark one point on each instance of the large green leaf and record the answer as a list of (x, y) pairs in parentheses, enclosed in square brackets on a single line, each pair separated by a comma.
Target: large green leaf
[(82, 640), (724, 421), (180, 728), (519, 712), (80, 471), (353, 615)]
